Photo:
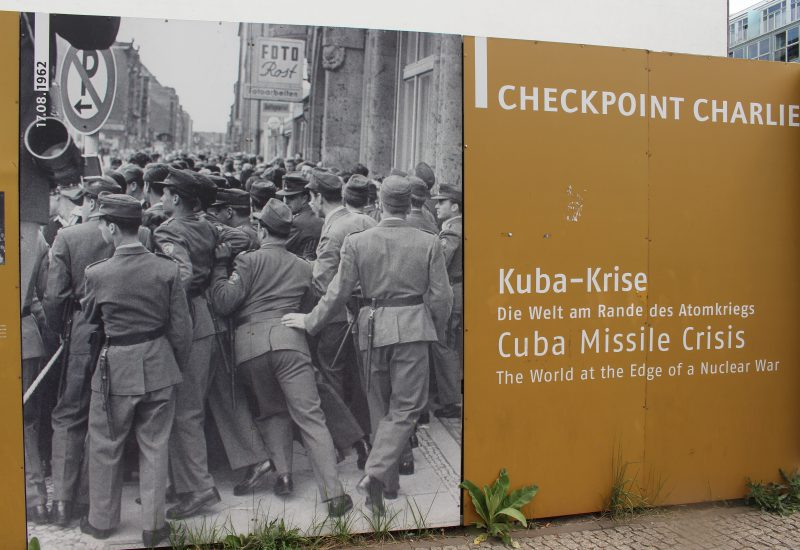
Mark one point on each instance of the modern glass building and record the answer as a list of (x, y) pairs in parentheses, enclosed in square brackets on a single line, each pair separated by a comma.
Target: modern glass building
[(769, 30)]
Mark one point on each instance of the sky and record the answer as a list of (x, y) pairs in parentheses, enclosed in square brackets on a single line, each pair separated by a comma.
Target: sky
[(197, 58), (739, 5)]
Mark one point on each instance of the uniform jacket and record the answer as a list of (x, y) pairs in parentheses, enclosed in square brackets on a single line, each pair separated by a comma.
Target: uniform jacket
[(265, 284), (252, 234), (156, 301), (391, 260), (451, 236), (306, 229), (421, 219), (73, 249), (154, 216), (33, 273), (191, 239), (337, 226)]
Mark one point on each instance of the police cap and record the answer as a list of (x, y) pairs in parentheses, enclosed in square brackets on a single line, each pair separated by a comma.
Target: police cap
[(396, 192), (119, 206), (450, 192), (277, 218)]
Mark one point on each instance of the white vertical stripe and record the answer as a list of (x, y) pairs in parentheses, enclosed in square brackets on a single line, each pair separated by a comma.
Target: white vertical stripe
[(481, 74), (41, 48)]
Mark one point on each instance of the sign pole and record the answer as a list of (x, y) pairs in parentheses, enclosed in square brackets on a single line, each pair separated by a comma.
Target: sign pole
[(258, 128), (91, 144)]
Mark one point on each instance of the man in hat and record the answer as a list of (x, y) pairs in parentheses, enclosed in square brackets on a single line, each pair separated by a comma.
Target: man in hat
[(260, 192), (190, 239), (265, 284), (230, 213), (306, 226), (67, 212), (154, 216), (74, 248), (420, 217), (447, 354), (147, 334), (335, 351), (424, 172), (232, 208), (407, 303), (33, 273)]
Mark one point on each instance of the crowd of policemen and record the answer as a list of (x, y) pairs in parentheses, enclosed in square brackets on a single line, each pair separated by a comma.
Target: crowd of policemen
[(283, 298)]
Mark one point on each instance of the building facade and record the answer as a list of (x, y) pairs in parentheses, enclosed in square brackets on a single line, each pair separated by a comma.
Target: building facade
[(769, 30), (386, 99)]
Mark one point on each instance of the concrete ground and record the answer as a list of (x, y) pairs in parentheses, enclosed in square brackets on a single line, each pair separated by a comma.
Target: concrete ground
[(715, 526), (431, 492)]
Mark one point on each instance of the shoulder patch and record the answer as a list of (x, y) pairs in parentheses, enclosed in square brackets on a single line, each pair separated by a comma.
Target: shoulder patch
[(234, 278), (168, 249)]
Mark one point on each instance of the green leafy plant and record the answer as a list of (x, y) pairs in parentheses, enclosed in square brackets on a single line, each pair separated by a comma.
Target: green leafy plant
[(777, 498), (33, 544), (497, 508)]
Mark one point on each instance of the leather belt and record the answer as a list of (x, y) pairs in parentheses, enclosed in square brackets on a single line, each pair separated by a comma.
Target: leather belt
[(131, 339), (262, 316), (396, 302)]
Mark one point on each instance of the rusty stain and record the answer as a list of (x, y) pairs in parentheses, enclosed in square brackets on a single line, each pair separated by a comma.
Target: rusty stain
[(575, 205), (546, 236)]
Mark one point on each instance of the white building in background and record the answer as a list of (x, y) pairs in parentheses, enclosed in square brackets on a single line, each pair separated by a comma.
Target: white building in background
[(769, 31)]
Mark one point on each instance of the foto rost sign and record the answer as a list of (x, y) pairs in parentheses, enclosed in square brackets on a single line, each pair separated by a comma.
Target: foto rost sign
[(276, 70)]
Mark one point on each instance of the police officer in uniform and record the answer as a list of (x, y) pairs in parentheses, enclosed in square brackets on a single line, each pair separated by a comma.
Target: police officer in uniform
[(191, 240), (264, 285), (306, 226), (154, 215), (260, 192), (408, 299), (334, 342), (447, 354), (33, 272), (419, 216), (232, 208), (147, 336), (73, 249)]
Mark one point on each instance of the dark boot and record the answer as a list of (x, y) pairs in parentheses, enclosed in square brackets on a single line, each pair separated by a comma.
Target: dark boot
[(61, 513), (152, 538), (253, 477), (192, 503), (373, 489), (362, 448)]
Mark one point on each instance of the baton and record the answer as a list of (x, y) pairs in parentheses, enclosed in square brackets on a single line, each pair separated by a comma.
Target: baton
[(42, 374)]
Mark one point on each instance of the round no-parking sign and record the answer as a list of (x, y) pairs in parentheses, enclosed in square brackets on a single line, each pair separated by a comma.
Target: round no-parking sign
[(88, 81)]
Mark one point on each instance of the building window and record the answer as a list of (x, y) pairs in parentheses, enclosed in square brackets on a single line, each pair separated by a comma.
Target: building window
[(773, 17), (737, 53), (786, 45), (414, 99), (759, 50), (737, 31), (795, 10)]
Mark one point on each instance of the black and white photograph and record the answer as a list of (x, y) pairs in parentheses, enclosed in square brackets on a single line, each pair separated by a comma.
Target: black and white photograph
[(241, 279)]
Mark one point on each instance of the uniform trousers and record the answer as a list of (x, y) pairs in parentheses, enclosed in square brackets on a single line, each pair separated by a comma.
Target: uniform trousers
[(295, 376), (70, 420), (397, 395), (344, 376), (243, 443), (447, 355), (150, 416), (187, 445), (35, 492)]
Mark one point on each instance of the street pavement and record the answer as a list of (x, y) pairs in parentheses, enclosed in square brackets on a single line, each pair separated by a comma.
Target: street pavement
[(430, 495), (715, 526)]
